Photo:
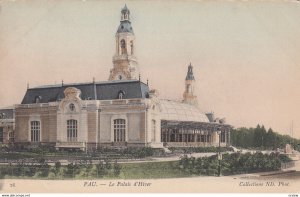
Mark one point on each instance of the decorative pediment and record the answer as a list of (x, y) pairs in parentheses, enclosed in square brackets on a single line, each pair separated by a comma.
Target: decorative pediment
[(72, 93), (71, 103)]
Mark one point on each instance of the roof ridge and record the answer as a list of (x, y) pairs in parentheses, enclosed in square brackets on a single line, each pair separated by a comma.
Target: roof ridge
[(86, 83)]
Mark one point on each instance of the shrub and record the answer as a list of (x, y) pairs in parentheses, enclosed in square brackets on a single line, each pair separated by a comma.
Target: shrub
[(235, 163), (117, 168)]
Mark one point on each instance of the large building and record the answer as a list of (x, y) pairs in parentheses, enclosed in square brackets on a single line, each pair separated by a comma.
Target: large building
[(120, 112)]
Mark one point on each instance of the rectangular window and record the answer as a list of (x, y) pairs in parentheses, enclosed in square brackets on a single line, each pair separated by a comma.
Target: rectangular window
[(223, 137), (202, 138), (119, 130), (1, 134), (208, 138), (72, 130), (11, 136), (35, 131)]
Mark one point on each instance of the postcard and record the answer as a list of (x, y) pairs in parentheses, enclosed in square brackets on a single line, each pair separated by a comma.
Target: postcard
[(149, 97)]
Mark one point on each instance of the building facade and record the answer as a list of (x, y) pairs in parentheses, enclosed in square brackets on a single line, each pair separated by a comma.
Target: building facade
[(7, 126), (120, 112)]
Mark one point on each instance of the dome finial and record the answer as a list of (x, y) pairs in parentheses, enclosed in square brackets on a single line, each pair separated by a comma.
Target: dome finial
[(125, 9)]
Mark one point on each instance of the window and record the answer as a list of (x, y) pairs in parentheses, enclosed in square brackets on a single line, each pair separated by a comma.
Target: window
[(123, 46), (121, 94), (38, 99), (72, 130), (11, 136), (153, 130), (1, 134), (35, 131), (208, 138), (119, 130), (2, 115), (131, 46), (72, 107), (222, 137), (188, 87)]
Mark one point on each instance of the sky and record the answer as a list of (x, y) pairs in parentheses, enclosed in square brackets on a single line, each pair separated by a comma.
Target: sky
[(245, 54)]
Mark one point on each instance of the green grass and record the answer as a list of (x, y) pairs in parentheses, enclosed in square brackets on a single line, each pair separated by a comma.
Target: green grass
[(152, 170)]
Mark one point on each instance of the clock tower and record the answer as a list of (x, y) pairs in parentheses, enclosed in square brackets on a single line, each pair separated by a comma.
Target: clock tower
[(125, 66)]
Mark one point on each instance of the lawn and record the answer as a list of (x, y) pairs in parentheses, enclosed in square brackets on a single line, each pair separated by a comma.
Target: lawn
[(152, 170)]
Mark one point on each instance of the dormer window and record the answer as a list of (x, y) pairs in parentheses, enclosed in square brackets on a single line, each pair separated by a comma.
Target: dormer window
[(37, 99), (121, 94), (2, 115)]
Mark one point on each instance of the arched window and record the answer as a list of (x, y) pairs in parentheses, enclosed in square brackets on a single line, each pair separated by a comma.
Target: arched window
[(123, 46), (119, 130), (121, 94), (72, 107), (35, 131), (131, 46), (153, 130), (72, 130), (37, 99)]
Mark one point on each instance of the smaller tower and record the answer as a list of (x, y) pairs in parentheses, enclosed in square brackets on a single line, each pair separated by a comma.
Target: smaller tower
[(189, 94)]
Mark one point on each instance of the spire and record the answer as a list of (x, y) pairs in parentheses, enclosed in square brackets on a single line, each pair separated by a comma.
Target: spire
[(125, 9), (190, 75), (125, 24)]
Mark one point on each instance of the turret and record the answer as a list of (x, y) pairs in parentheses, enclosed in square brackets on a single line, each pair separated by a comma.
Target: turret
[(189, 94)]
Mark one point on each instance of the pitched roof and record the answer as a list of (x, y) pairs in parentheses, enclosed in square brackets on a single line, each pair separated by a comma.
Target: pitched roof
[(108, 90)]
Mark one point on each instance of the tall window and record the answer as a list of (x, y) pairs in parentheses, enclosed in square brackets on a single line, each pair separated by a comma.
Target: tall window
[(1, 134), (123, 46), (131, 45), (222, 137), (153, 129), (11, 136), (72, 130), (35, 131), (188, 88), (119, 130)]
